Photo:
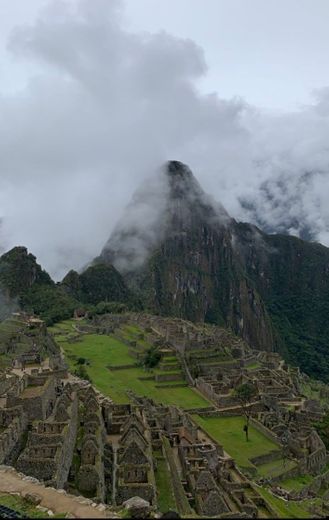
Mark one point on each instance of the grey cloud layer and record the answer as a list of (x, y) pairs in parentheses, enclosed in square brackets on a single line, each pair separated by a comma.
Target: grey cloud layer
[(108, 107)]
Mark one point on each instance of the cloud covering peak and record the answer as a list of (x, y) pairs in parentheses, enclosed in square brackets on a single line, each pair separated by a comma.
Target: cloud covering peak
[(105, 108)]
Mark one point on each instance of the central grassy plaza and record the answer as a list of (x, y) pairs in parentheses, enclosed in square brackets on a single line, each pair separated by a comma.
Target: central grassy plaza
[(104, 352)]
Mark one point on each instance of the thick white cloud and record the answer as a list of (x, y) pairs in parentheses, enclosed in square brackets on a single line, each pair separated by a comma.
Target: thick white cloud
[(107, 107)]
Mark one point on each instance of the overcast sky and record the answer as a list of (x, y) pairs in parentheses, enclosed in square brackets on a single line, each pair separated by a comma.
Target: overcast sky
[(94, 95)]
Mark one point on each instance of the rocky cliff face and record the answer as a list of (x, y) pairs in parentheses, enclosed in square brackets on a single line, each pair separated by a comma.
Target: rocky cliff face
[(192, 270), (196, 262)]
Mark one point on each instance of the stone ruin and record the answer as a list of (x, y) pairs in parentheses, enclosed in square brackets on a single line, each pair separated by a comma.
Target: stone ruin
[(63, 432)]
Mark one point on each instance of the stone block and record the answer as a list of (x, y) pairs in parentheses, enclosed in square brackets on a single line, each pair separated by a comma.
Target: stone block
[(138, 507), (32, 498)]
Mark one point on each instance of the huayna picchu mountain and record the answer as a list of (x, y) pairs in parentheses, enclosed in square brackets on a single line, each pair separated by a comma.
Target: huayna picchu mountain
[(176, 252), (193, 261)]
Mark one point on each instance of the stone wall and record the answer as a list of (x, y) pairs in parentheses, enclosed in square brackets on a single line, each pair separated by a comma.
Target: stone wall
[(66, 454), (168, 377), (44, 468), (12, 434), (268, 433), (267, 457), (316, 460), (91, 477), (180, 497), (38, 406), (49, 449)]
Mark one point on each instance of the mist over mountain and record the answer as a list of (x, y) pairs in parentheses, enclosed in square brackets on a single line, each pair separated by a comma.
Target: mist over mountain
[(171, 202), (104, 106)]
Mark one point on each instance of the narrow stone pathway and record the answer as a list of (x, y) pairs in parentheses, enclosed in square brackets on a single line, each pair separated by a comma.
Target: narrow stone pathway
[(56, 501)]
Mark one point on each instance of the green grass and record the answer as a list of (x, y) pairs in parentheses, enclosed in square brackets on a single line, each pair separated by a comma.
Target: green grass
[(116, 383), (102, 351), (131, 333), (66, 326), (253, 365), (228, 431), (166, 500), (275, 468), (20, 505), (297, 483), (169, 360), (99, 350), (286, 509)]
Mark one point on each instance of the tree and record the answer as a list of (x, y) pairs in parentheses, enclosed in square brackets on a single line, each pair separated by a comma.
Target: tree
[(245, 393), (150, 358)]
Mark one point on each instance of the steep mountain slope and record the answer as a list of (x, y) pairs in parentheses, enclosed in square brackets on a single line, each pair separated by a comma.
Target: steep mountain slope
[(292, 277), (193, 261), (191, 270), (98, 283), (24, 284)]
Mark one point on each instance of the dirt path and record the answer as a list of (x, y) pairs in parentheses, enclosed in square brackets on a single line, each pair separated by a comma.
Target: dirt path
[(57, 502)]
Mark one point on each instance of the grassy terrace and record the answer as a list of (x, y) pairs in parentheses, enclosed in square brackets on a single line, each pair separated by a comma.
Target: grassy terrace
[(275, 468), (166, 500), (102, 352), (285, 509), (228, 431), (253, 366), (296, 483)]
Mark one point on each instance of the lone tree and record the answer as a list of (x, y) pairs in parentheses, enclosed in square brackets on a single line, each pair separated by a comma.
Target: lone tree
[(245, 393)]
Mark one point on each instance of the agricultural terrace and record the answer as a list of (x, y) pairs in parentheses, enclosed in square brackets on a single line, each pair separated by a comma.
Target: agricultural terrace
[(288, 509), (228, 431), (103, 354)]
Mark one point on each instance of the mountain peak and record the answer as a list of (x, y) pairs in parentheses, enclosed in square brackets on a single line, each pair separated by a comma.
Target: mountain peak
[(177, 168), (181, 181)]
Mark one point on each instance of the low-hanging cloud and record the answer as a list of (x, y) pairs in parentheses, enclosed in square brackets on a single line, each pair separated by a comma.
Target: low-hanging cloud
[(108, 107)]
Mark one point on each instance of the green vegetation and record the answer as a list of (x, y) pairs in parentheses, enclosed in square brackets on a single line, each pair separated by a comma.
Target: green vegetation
[(245, 393), (275, 468), (110, 308), (81, 372), (22, 506), (98, 350), (296, 483), (151, 358), (100, 284), (228, 431), (183, 505), (32, 288), (286, 509), (49, 302), (253, 366), (166, 500), (297, 300), (102, 352)]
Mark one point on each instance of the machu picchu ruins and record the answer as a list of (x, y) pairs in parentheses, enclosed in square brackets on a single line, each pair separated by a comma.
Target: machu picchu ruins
[(60, 429)]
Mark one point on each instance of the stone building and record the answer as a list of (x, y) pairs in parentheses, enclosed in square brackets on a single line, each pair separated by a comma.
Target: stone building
[(135, 473), (49, 448)]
